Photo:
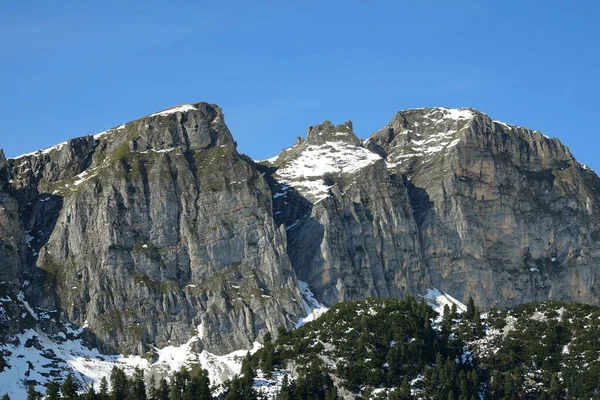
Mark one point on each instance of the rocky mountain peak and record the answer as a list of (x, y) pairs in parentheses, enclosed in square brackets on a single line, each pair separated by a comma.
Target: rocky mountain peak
[(329, 151), (189, 127), (328, 132), (2, 156)]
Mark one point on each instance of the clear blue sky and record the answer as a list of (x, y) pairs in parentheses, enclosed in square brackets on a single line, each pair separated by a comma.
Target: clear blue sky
[(72, 68)]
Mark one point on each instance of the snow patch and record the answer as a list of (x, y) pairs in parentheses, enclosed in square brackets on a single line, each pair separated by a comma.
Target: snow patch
[(438, 299), (306, 172), (311, 305)]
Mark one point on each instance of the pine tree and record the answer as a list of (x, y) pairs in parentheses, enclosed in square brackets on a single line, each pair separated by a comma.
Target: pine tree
[(6, 397), (139, 386), (69, 388), (52, 391), (119, 384), (164, 389), (240, 388), (454, 312), (555, 390), (477, 322), (267, 361), (91, 394), (103, 394), (470, 313), (285, 392), (179, 384), (404, 390), (203, 384), (33, 394), (268, 338), (152, 389), (281, 332)]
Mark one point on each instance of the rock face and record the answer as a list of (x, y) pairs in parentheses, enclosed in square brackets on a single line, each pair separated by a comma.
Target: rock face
[(351, 232), (453, 200), (159, 230), (155, 231), (505, 214)]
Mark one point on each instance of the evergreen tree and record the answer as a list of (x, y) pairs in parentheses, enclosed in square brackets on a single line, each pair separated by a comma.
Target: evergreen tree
[(267, 361), (285, 393), (69, 388), (268, 338), (6, 397), (179, 384), (555, 390), (138, 386), (91, 394), (240, 388), (281, 332), (163, 392), (52, 391), (477, 329), (103, 393), (470, 313), (202, 383), (33, 394), (119, 384), (454, 312), (404, 390)]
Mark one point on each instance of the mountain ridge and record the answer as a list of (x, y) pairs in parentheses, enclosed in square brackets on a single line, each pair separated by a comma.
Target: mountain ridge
[(158, 229)]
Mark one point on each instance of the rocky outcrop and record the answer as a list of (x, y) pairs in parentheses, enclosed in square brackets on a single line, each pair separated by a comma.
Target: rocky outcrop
[(156, 231), (505, 214), (350, 226)]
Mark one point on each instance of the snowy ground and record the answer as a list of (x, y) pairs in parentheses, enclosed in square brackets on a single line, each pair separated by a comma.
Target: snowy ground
[(34, 356)]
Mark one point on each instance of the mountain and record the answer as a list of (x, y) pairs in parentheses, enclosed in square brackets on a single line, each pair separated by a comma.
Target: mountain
[(505, 214), (149, 231), (445, 198), (157, 234)]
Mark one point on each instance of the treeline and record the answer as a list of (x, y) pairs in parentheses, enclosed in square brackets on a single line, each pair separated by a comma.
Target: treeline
[(389, 349), (183, 385)]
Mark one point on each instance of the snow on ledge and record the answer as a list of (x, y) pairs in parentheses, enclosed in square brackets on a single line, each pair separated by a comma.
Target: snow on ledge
[(173, 110), (40, 152)]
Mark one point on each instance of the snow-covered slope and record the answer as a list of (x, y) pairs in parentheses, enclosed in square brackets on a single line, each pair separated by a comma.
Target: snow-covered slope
[(308, 171), (430, 133), (313, 308), (34, 356)]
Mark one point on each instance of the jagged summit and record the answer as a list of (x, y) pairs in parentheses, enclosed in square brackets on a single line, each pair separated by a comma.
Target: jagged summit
[(328, 151), (326, 131), (419, 135), (421, 132)]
